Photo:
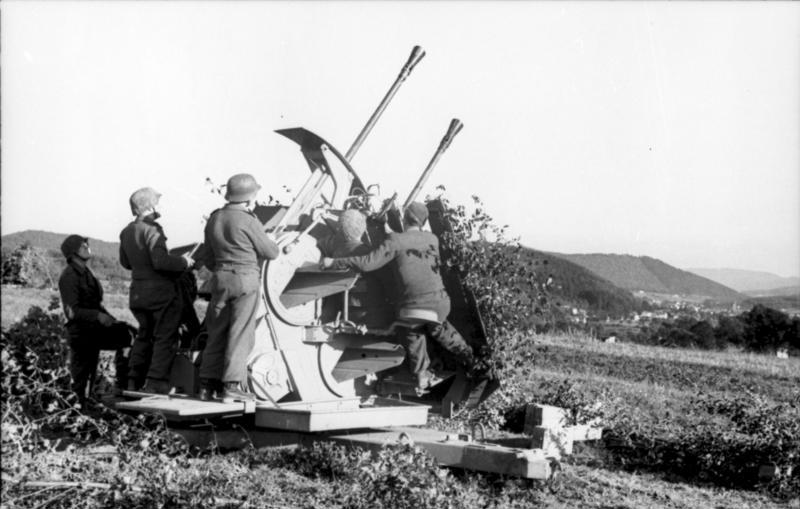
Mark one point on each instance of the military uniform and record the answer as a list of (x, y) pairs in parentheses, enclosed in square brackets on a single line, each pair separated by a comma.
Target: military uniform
[(82, 298), (154, 299), (235, 242), (414, 259), (367, 302)]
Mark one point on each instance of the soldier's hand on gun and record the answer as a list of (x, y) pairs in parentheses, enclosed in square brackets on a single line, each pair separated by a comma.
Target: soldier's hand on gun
[(105, 319), (189, 260), (326, 263)]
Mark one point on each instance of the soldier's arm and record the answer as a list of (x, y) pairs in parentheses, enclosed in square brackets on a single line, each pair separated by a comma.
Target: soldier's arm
[(159, 256), (123, 258), (370, 261), (208, 259), (265, 247), (68, 287)]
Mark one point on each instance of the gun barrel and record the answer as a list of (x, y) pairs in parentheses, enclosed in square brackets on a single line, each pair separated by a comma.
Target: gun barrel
[(455, 127), (416, 55)]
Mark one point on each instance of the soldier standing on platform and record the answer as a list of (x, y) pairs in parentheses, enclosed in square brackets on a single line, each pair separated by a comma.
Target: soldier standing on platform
[(236, 244), (154, 297)]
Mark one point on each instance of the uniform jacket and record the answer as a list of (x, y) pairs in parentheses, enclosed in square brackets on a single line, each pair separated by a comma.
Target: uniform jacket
[(235, 238), (143, 251), (82, 298), (414, 258)]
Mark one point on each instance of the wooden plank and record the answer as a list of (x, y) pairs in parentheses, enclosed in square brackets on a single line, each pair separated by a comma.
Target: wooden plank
[(184, 408), (452, 452), (448, 449), (544, 415), (584, 432), (555, 442), (310, 418)]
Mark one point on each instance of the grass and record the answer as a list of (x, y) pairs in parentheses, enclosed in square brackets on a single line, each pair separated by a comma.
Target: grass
[(674, 370), (655, 382)]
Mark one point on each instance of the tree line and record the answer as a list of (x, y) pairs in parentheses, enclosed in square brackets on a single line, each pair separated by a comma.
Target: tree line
[(761, 329)]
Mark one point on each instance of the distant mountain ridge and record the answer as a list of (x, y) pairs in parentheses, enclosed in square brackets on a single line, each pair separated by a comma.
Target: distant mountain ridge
[(575, 285), (749, 280), (52, 243), (572, 285), (643, 273)]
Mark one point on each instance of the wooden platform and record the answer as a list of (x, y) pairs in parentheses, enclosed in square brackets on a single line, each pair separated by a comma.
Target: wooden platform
[(339, 414), (182, 407), (449, 450)]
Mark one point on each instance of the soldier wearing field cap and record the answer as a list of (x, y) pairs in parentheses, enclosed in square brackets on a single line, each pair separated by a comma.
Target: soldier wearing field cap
[(414, 258), (236, 244), (154, 297), (90, 327)]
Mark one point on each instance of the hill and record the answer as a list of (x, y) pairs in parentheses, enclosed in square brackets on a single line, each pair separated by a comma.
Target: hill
[(104, 263), (578, 286), (51, 242), (784, 291), (642, 273), (747, 281)]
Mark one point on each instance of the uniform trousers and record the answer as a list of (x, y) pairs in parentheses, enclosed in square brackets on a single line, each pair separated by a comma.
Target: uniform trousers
[(84, 354), (414, 339), (157, 308), (230, 320)]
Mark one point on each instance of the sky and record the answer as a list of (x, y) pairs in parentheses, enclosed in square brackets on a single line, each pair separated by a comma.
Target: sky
[(662, 129)]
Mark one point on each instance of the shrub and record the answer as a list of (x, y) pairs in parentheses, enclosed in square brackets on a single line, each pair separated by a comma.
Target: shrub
[(766, 329), (733, 436), (39, 408), (29, 266)]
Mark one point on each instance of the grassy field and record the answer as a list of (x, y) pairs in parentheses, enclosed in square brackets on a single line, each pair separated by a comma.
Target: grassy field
[(655, 385)]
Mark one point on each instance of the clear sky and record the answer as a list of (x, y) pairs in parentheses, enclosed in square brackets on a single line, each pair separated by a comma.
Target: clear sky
[(667, 129)]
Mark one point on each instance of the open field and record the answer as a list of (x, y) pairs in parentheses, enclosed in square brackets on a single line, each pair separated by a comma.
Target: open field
[(655, 386)]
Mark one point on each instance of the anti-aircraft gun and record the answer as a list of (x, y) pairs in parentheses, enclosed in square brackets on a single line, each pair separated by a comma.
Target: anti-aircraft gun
[(317, 366)]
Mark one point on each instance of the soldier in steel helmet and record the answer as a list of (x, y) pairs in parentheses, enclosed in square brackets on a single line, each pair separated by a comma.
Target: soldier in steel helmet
[(90, 327), (414, 258), (154, 296), (236, 244), (367, 301)]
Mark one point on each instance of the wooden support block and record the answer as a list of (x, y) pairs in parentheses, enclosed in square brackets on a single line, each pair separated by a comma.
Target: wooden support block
[(767, 472), (544, 415), (584, 432), (555, 442)]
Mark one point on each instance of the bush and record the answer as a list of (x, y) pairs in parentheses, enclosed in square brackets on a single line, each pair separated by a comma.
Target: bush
[(38, 406), (729, 331), (733, 437), (30, 266), (400, 476), (766, 329)]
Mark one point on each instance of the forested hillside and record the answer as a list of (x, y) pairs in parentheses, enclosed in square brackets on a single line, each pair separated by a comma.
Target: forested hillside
[(636, 273), (573, 284), (51, 243)]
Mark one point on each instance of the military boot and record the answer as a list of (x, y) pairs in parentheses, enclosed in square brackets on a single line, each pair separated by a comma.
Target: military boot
[(233, 392), (210, 389), (155, 386)]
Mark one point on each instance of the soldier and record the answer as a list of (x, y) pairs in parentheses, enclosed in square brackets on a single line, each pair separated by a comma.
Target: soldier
[(367, 303), (347, 240), (90, 327), (154, 296), (236, 244), (414, 255)]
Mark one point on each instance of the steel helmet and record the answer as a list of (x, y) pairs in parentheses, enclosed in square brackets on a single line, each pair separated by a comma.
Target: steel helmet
[(416, 214), (72, 244), (241, 187), (352, 224), (143, 199)]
